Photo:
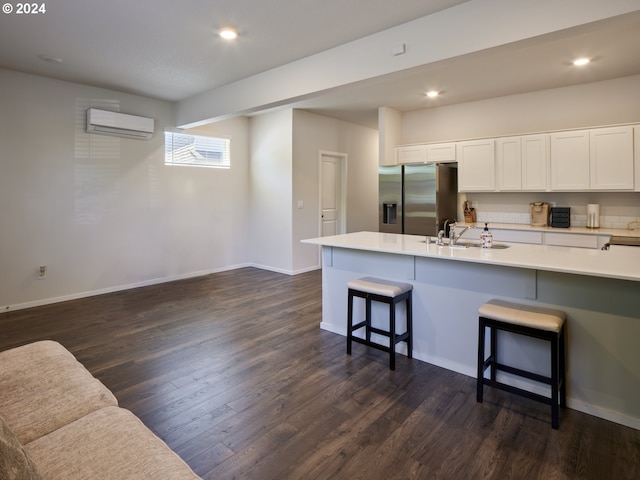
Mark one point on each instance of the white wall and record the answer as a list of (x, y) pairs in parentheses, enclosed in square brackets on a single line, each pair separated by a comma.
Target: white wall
[(591, 104), (271, 191), (285, 155), (312, 134), (103, 213)]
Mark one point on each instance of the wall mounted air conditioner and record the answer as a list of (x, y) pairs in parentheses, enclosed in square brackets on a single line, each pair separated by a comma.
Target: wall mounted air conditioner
[(104, 122)]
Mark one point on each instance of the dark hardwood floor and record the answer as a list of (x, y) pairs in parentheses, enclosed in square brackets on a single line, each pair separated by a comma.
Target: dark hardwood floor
[(234, 373)]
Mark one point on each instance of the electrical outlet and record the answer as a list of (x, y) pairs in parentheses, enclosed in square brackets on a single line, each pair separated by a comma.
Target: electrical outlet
[(42, 272)]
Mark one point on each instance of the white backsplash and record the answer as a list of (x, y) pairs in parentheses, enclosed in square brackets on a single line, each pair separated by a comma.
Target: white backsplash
[(617, 210), (606, 221)]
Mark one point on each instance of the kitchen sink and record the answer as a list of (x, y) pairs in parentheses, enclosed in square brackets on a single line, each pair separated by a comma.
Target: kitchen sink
[(496, 246), (467, 244)]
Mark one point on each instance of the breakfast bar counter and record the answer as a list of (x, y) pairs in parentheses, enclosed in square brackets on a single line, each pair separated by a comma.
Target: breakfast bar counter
[(599, 291)]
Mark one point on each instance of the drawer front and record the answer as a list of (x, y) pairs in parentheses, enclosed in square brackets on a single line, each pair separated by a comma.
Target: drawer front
[(569, 240), (516, 236)]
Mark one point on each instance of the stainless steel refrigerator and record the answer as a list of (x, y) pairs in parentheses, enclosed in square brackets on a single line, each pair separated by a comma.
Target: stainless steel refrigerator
[(417, 199)]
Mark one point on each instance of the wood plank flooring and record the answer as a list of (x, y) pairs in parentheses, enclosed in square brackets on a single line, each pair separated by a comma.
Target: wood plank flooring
[(234, 373)]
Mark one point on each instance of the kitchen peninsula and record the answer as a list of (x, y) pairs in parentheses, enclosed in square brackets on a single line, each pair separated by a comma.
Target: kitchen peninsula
[(599, 291)]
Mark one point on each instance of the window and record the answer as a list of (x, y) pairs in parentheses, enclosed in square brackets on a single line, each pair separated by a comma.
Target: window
[(197, 151)]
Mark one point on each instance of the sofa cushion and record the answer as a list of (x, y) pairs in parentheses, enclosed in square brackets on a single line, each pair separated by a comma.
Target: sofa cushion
[(43, 387), (110, 443), (15, 461)]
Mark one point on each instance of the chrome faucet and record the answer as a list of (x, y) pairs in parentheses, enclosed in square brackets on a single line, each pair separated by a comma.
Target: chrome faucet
[(447, 225), (453, 238)]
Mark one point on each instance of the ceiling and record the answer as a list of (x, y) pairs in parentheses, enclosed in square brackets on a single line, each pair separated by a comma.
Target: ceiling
[(170, 50), (538, 63)]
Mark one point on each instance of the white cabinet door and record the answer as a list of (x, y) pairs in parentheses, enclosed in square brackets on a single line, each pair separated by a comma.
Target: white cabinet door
[(509, 164), (476, 166), (570, 160), (411, 154), (535, 160), (611, 160), (441, 152)]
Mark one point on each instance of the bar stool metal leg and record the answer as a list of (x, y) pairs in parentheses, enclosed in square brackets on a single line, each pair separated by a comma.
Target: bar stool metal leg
[(493, 351), (367, 318), (563, 391), (409, 327), (349, 321), (392, 335), (481, 361), (554, 382)]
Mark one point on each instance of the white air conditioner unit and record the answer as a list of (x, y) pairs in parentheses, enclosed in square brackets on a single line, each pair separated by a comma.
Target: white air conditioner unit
[(117, 124)]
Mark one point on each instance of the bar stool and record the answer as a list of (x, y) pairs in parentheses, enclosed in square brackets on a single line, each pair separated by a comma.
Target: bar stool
[(542, 323), (384, 291)]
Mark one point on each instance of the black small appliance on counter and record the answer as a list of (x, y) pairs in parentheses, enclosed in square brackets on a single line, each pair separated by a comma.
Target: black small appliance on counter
[(560, 217)]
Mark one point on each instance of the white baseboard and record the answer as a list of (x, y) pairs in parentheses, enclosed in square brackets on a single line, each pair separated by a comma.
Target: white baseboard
[(283, 271), (145, 283), (614, 417), (115, 288)]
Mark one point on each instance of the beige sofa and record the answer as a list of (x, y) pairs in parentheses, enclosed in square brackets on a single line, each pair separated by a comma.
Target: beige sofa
[(59, 422)]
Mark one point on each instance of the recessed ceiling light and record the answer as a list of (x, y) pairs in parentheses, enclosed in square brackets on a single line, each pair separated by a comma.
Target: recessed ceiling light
[(228, 33), (432, 94), (581, 61)]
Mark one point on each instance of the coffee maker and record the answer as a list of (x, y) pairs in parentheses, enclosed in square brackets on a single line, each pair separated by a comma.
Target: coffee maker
[(539, 214)]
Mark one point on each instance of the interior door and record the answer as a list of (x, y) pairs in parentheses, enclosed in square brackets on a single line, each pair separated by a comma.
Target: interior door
[(331, 191)]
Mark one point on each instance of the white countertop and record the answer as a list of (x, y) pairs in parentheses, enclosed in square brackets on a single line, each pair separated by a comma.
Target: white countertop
[(623, 263)]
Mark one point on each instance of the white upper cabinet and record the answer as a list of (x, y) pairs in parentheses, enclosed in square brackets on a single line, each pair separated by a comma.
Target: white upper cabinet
[(522, 163), (573, 160), (426, 153), (476, 166), (570, 160), (535, 162), (611, 161), (597, 159), (509, 163), (411, 154), (441, 152)]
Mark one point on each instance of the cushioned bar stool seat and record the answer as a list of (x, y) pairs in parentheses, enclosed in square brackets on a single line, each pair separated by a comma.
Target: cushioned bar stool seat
[(384, 291), (537, 322)]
